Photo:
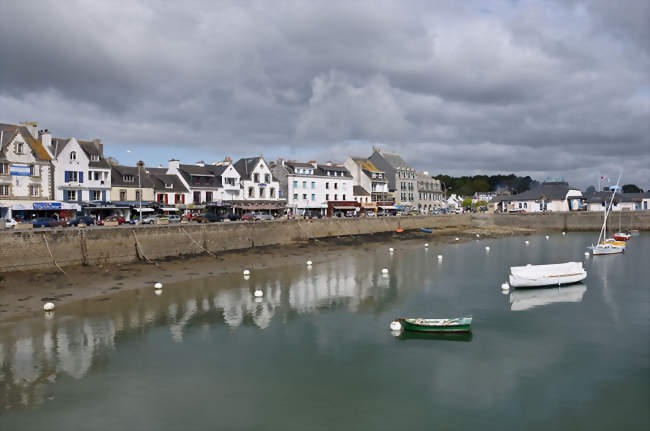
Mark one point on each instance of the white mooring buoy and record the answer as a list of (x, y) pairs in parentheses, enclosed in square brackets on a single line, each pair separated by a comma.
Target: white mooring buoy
[(158, 285), (426, 244), (547, 237), (586, 254), (505, 286), (384, 270), (309, 263), (526, 242), (258, 293), (563, 233), (457, 239), (247, 272), (478, 236), (395, 326), (390, 250), (487, 248), (48, 306)]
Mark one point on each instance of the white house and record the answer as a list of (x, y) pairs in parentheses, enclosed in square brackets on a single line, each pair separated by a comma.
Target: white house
[(25, 174), (547, 197), (198, 180), (81, 174), (310, 186), (260, 191), (598, 201)]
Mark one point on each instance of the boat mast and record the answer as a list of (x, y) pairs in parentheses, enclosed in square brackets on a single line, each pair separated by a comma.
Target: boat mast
[(603, 230)]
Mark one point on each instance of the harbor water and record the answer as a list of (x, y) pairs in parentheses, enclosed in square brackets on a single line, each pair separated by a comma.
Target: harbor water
[(315, 351)]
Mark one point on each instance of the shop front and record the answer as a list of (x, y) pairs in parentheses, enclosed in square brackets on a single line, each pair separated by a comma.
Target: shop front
[(30, 210), (103, 210), (274, 208), (343, 208)]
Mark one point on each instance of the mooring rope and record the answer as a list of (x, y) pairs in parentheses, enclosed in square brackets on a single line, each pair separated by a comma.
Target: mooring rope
[(51, 255), (139, 248), (195, 242)]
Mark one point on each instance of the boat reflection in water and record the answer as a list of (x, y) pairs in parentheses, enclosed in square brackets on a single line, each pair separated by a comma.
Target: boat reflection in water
[(444, 336), (530, 298)]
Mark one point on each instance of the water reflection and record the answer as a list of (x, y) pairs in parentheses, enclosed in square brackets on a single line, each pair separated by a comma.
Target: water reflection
[(451, 336), (525, 299), (36, 353)]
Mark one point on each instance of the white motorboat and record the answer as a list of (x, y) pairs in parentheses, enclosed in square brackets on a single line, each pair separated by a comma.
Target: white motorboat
[(547, 275)]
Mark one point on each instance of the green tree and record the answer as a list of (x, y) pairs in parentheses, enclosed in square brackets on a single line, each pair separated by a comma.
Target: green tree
[(467, 203), (631, 188), (480, 204)]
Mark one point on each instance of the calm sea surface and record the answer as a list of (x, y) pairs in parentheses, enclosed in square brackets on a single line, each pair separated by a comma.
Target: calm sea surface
[(316, 353)]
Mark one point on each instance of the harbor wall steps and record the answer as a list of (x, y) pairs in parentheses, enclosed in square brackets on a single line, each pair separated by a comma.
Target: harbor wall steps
[(43, 249)]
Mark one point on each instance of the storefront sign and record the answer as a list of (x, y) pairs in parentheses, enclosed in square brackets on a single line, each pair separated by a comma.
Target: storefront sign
[(262, 185), (47, 205), (20, 170)]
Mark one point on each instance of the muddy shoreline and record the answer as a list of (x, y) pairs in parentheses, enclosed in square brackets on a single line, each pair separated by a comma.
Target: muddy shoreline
[(23, 293)]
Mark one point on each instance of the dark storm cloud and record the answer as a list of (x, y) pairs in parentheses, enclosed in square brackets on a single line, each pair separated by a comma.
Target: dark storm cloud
[(543, 88)]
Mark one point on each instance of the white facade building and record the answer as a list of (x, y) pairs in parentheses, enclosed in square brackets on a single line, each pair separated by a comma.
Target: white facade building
[(311, 186), (80, 172), (256, 180)]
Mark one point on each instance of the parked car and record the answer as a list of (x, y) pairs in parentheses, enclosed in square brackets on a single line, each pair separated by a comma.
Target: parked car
[(248, 217), (263, 217), (119, 219), (173, 218), (149, 219), (81, 220), (9, 223), (45, 222), (208, 218), (234, 217)]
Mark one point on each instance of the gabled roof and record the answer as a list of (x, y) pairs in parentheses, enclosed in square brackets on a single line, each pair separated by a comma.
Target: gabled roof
[(323, 169), (359, 191), (119, 171), (217, 170), (366, 165), (394, 159), (246, 166), (207, 179), (92, 149), (599, 197), (162, 179), (549, 191), (9, 132)]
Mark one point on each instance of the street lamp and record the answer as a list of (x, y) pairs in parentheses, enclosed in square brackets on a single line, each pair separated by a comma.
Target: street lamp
[(140, 164)]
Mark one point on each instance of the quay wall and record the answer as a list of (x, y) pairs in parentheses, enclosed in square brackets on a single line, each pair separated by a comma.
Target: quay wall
[(45, 248)]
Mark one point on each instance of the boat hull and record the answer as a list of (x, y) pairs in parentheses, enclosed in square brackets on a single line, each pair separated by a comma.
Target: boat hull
[(425, 230), (420, 325), (547, 281), (621, 236), (603, 251)]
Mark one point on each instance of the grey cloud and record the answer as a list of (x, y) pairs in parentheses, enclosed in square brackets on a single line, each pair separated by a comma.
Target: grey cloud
[(548, 88)]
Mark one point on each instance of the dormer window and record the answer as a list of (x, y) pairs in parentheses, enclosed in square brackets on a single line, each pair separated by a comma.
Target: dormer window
[(128, 178), (169, 186), (94, 158), (73, 155)]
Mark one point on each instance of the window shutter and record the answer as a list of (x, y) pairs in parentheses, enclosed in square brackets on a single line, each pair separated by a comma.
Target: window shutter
[(65, 192), (81, 177), (67, 176), (103, 195), (183, 198), (166, 198)]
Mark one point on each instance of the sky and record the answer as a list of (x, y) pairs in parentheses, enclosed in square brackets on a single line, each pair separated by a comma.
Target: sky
[(551, 89)]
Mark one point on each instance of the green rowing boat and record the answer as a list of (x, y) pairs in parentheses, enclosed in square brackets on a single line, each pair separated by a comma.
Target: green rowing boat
[(459, 324)]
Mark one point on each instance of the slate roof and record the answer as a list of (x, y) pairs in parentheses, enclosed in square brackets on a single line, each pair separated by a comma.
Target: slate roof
[(550, 191), (359, 191), (117, 173), (366, 164), (92, 149), (245, 166), (9, 132), (599, 197), (162, 179), (205, 178), (395, 160)]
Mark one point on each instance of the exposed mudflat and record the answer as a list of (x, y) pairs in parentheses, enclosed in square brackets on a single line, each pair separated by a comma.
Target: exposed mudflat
[(22, 294)]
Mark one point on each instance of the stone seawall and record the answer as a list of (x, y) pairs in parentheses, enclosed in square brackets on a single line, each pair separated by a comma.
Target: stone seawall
[(37, 249)]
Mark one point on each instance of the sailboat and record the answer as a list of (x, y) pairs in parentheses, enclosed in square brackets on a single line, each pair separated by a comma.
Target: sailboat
[(603, 247), (620, 235)]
